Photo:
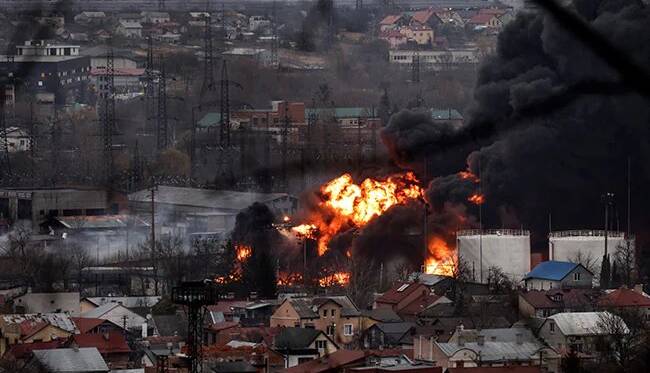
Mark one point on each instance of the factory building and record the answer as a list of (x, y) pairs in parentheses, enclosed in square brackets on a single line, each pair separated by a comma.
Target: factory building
[(587, 246), (508, 249)]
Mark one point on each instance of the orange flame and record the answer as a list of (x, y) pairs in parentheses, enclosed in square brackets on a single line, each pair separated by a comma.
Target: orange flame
[(335, 279), (355, 205), (243, 252), (477, 199), (441, 258), (306, 230), (468, 175), (289, 279)]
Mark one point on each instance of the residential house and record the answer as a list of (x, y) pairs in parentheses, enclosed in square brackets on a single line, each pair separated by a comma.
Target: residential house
[(513, 334), (95, 326), (579, 331), (448, 115), (18, 139), (486, 353), (48, 303), (337, 362), (117, 314), (426, 17), (392, 22), (389, 335), (111, 345), (554, 274), (419, 34), (627, 301), (70, 360), (299, 345), (90, 17), (129, 29), (226, 310), (377, 315), (409, 299), (337, 316), (155, 17), (258, 23), (544, 303), (30, 328), (395, 38)]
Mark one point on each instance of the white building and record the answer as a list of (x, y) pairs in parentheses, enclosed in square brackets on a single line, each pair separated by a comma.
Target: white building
[(257, 23), (130, 29), (436, 60), (44, 48), (155, 17), (17, 140)]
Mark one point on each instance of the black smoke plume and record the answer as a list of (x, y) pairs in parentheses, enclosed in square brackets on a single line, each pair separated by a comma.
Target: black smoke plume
[(552, 127)]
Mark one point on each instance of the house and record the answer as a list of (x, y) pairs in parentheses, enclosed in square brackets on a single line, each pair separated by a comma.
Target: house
[(258, 23), (554, 274), (447, 116), (389, 335), (393, 37), (419, 34), (95, 326), (579, 331), (117, 314), (155, 17), (18, 139), (544, 303), (111, 345), (48, 303), (485, 21), (29, 328), (337, 316), (339, 361), (376, 315), (486, 353), (129, 29), (89, 17), (70, 360), (299, 345), (392, 22), (513, 334), (626, 300), (408, 299), (133, 302), (426, 17)]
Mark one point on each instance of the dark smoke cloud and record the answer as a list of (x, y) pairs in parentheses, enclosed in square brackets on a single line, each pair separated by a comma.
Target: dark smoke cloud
[(552, 127)]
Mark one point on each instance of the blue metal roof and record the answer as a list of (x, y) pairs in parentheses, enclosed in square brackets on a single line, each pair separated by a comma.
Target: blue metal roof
[(551, 270)]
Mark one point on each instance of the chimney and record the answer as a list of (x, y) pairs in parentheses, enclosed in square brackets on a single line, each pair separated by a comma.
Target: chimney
[(520, 338), (638, 288), (480, 339)]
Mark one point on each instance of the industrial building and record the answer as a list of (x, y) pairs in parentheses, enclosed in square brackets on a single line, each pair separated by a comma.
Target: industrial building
[(587, 246), (507, 249)]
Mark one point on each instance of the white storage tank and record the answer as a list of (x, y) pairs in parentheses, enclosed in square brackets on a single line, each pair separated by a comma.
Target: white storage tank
[(508, 249), (587, 247)]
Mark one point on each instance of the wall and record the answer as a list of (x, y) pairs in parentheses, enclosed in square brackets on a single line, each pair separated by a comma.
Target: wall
[(285, 316), (510, 252)]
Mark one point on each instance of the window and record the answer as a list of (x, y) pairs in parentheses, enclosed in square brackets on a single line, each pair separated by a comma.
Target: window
[(330, 330), (347, 329), (332, 312), (321, 345), (576, 276), (324, 313), (551, 327)]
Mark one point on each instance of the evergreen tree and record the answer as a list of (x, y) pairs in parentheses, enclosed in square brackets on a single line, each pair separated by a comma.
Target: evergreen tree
[(605, 269), (571, 362), (616, 278)]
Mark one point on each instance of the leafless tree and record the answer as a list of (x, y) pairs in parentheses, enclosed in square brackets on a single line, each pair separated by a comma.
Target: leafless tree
[(587, 260), (363, 282), (498, 281), (626, 263)]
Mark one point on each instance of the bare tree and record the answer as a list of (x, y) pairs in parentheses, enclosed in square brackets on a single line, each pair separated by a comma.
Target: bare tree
[(626, 263), (498, 281), (587, 260), (363, 282)]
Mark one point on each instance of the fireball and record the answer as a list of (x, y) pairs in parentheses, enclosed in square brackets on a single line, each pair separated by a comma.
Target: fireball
[(441, 258)]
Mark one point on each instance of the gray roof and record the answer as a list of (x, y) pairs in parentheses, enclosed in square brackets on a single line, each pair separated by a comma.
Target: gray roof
[(382, 314), (49, 302), (233, 367), (60, 320), (582, 323), (225, 200), (296, 338), (495, 351), (71, 360), (307, 308), (128, 302), (495, 335)]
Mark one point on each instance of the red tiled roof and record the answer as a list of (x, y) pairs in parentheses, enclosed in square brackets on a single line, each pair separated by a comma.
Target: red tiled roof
[(393, 296), (24, 350), (223, 325), (506, 369), (29, 327), (570, 298), (86, 324), (390, 20), (331, 361), (624, 298), (226, 306), (481, 19), (496, 12), (108, 343), (422, 16), (419, 305)]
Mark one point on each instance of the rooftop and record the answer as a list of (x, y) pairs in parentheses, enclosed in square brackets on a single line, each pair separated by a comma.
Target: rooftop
[(551, 270), (86, 360), (582, 323), (296, 338), (624, 297)]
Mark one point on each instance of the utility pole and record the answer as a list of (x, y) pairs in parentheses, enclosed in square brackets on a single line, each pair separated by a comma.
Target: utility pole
[(149, 90), (359, 5), (108, 116), (5, 162), (153, 236), (162, 127), (275, 61), (161, 5), (285, 146), (224, 130)]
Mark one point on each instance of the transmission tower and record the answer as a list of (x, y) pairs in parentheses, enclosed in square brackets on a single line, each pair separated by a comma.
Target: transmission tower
[(162, 128), (150, 90), (208, 52), (224, 129), (275, 61), (5, 163), (195, 296), (359, 5), (108, 116), (285, 146), (161, 5)]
